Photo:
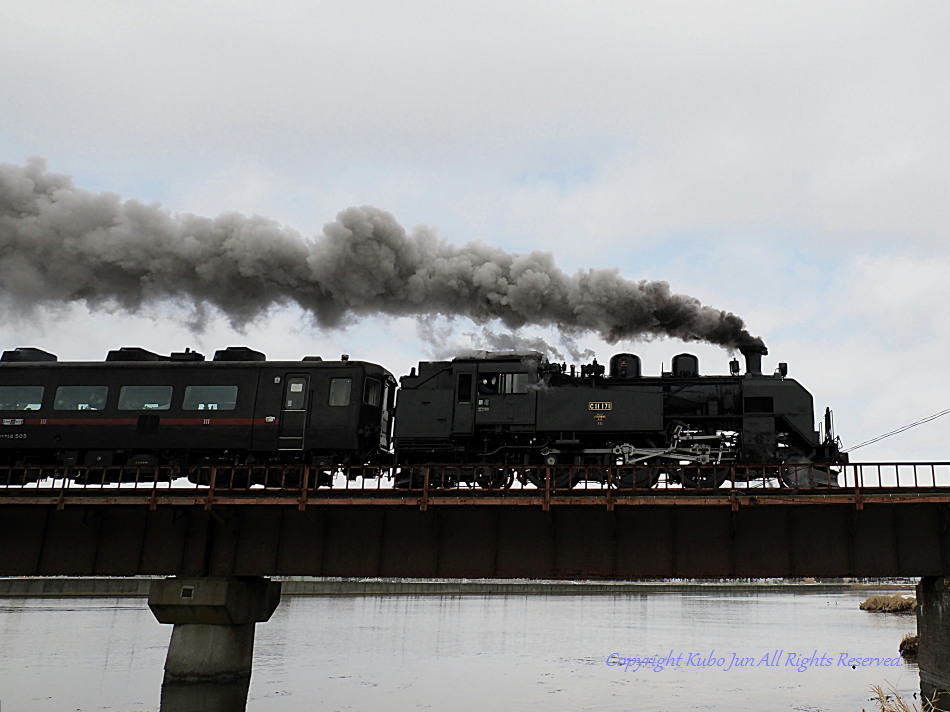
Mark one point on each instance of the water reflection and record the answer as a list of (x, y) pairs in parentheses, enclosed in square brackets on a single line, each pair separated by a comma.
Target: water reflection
[(472, 653), (204, 697)]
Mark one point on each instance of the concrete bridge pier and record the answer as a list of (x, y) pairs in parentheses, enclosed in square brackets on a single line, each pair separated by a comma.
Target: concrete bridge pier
[(208, 666), (933, 639)]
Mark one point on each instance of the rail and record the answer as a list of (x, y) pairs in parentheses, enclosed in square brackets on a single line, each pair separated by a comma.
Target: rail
[(218, 485)]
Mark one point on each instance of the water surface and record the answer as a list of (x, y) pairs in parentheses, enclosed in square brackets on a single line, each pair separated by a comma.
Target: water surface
[(477, 652)]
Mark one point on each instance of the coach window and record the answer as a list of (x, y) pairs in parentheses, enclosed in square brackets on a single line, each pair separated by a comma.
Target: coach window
[(340, 391), (210, 398), (21, 397), (145, 397), (371, 390), (80, 398)]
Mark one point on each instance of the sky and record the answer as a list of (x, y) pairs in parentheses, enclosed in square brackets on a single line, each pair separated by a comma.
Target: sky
[(786, 162)]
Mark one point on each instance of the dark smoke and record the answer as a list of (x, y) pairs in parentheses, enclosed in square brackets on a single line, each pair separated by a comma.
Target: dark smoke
[(61, 244)]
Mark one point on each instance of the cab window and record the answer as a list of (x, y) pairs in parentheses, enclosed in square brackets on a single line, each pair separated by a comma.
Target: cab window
[(492, 383), (371, 391), (465, 388), (340, 391)]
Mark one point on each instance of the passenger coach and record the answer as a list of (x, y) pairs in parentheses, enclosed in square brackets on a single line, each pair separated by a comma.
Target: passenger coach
[(140, 409)]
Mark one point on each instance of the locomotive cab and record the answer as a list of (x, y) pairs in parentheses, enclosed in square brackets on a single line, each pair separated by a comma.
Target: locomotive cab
[(503, 392)]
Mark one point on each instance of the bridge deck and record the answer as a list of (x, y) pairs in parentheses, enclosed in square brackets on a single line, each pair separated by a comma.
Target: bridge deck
[(365, 527)]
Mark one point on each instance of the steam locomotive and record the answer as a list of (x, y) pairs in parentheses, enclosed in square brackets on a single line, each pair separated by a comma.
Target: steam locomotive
[(482, 419), (589, 423)]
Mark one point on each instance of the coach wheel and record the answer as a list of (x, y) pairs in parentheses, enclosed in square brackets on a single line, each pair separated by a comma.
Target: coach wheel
[(235, 478), (413, 478), (12, 476), (199, 475), (439, 478), (704, 477), (324, 478), (33, 474), (638, 477), (92, 476), (404, 478)]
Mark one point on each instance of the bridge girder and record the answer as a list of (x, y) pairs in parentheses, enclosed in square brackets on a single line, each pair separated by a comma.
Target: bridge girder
[(565, 541)]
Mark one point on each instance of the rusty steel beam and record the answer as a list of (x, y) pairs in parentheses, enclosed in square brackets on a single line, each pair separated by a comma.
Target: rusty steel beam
[(606, 499), (575, 539)]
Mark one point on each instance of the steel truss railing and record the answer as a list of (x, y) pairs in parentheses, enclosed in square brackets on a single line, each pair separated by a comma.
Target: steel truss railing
[(476, 480)]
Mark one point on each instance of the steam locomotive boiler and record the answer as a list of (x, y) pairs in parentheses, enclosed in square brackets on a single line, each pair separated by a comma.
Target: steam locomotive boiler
[(521, 410)]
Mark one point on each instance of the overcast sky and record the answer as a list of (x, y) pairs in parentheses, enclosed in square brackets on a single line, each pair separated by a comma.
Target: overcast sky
[(786, 162)]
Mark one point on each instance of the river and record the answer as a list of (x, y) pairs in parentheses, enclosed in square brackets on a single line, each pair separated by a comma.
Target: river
[(709, 649)]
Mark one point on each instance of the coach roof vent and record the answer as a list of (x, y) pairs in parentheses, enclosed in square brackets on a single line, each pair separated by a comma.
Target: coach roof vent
[(24, 354), (133, 353), (238, 353), (313, 358), (186, 355)]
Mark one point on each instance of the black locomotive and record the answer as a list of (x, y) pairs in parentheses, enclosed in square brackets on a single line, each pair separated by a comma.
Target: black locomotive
[(182, 413), (539, 417), (482, 419)]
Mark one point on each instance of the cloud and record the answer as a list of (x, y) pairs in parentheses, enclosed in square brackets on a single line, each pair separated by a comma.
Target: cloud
[(789, 163)]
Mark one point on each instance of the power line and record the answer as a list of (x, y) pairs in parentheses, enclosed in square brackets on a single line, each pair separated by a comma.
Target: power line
[(899, 430)]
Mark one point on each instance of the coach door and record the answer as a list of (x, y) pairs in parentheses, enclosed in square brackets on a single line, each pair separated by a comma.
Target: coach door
[(293, 414)]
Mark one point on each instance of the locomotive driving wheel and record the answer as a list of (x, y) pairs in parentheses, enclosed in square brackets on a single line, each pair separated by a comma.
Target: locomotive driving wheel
[(637, 477), (703, 477), (493, 478), (561, 477)]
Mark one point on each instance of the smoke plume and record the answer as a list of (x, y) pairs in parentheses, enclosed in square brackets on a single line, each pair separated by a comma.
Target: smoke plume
[(446, 342), (61, 244)]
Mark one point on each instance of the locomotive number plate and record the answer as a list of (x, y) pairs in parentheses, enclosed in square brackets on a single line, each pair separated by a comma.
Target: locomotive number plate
[(600, 405)]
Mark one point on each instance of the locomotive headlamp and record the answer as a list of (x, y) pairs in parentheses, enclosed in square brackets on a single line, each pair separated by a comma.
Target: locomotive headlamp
[(734, 367), (782, 369)]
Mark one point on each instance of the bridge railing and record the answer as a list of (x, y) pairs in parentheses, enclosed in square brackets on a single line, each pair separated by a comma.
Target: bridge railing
[(500, 480)]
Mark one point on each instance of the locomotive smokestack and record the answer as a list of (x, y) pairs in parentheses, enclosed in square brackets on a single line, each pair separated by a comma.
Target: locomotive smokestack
[(61, 244), (753, 357)]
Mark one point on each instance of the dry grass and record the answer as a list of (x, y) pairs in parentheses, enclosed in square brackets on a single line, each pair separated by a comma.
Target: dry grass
[(892, 702), (890, 604), (908, 646)]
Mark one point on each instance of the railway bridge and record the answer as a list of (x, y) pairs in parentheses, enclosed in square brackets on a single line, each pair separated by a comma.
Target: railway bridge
[(221, 541)]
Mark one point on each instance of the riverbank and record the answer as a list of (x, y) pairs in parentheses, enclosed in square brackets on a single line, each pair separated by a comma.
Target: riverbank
[(64, 587)]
